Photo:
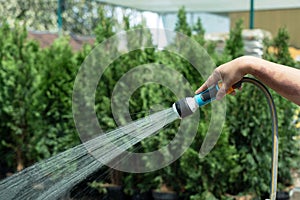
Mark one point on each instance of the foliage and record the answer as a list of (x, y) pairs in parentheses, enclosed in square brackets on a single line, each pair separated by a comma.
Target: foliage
[(234, 45), (190, 176), (287, 146), (251, 134), (98, 186), (104, 29), (57, 72), (277, 50), (37, 14), (18, 71), (199, 32), (36, 87), (182, 25), (36, 118), (239, 163), (78, 17)]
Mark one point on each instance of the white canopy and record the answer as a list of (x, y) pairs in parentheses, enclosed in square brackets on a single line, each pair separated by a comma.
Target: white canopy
[(212, 6)]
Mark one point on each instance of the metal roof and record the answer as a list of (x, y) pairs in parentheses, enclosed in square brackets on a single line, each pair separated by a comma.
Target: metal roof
[(213, 6)]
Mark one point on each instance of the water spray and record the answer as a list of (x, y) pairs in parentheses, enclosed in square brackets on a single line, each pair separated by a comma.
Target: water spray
[(187, 106), (52, 178)]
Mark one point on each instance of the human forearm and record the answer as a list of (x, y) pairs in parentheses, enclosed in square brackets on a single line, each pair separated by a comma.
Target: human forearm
[(284, 80)]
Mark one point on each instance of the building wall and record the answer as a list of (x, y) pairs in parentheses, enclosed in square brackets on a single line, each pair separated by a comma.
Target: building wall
[(272, 20)]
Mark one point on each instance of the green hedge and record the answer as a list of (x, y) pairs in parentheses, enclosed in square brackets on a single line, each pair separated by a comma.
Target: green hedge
[(36, 116)]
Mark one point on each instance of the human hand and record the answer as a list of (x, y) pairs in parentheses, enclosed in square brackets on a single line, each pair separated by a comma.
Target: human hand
[(229, 74)]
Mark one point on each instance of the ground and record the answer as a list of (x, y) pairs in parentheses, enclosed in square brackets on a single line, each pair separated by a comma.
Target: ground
[(296, 177)]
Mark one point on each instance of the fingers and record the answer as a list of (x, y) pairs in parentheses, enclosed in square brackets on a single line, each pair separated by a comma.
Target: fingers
[(233, 93), (212, 80), (222, 92), (201, 88)]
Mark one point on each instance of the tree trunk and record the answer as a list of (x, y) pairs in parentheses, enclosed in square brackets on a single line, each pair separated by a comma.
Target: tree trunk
[(116, 177), (20, 163)]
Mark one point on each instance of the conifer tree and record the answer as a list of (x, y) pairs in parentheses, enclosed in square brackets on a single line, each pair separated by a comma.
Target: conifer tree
[(182, 25)]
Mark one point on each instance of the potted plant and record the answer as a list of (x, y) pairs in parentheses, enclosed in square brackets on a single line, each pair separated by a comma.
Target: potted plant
[(164, 192), (99, 186), (108, 190), (115, 187), (111, 189), (167, 184), (139, 186)]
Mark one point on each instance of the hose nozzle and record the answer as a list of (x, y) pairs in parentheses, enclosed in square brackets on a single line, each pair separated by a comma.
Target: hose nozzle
[(187, 106)]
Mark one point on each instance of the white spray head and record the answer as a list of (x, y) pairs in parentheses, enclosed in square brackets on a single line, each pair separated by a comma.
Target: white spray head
[(185, 107)]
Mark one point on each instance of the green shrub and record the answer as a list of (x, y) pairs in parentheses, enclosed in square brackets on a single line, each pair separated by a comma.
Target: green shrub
[(36, 95), (36, 120), (19, 81)]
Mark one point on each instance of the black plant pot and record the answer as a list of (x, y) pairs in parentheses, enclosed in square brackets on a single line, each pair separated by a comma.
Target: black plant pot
[(83, 192), (282, 196), (164, 195), (142, 196), (115, 193)]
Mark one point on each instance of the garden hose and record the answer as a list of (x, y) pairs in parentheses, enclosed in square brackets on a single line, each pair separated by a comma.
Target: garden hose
[(189, 105)]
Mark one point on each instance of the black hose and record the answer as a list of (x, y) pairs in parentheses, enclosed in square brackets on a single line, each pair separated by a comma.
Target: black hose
[(274, 172)]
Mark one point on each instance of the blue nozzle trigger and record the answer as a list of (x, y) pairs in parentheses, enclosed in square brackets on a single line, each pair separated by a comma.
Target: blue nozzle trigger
[(207, 96)]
